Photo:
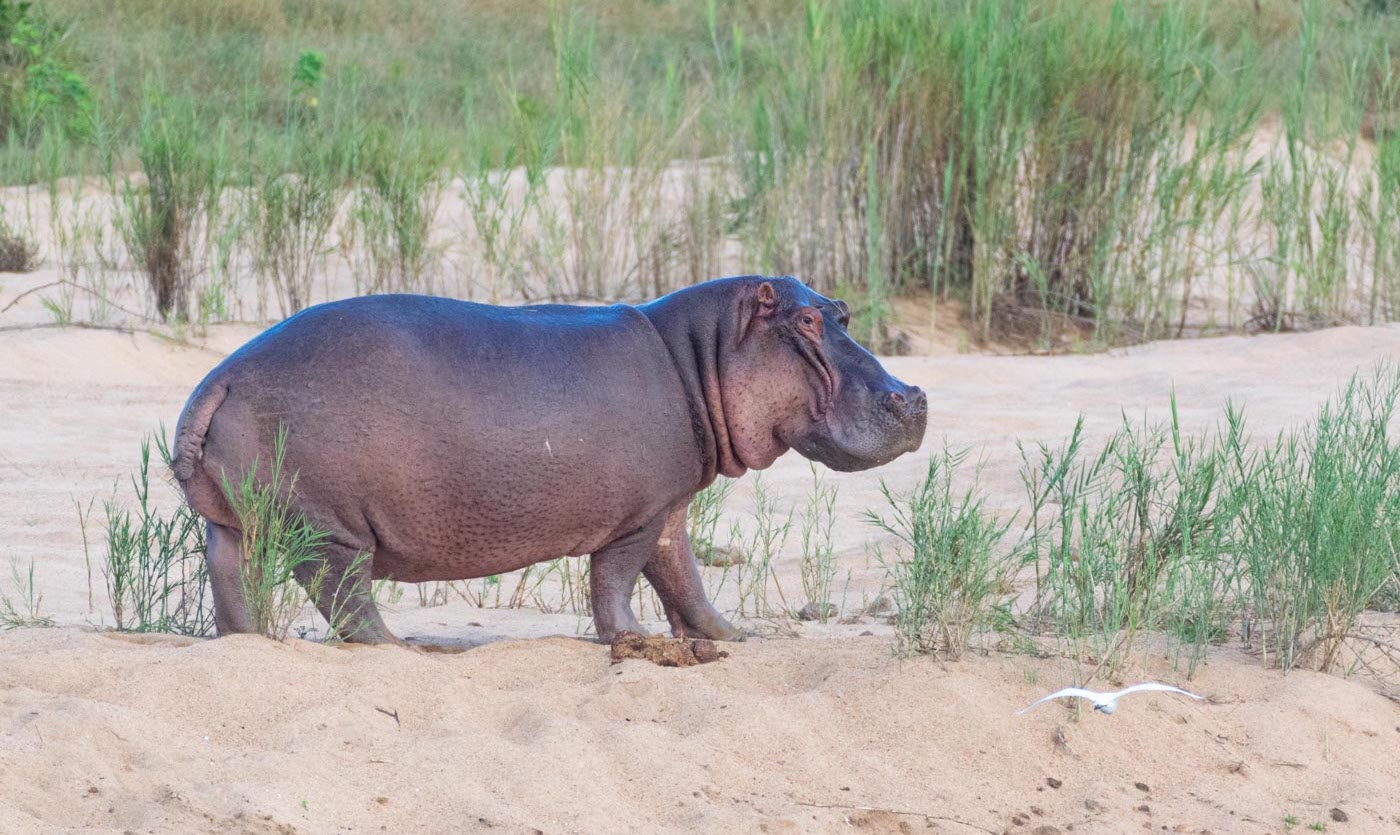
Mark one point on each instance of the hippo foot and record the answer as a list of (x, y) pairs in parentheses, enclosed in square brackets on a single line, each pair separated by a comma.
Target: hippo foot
[(617, 622), (716, 628), (373, 639)]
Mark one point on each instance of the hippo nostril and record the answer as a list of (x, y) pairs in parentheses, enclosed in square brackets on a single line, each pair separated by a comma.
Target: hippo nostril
[(909, 404), (896, 403)]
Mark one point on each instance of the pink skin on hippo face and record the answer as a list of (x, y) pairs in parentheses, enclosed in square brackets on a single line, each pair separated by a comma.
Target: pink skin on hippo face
[(450, 440), (800, 382)]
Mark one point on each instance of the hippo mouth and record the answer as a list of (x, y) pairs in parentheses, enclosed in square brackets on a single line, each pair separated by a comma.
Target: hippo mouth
[(862, 449)]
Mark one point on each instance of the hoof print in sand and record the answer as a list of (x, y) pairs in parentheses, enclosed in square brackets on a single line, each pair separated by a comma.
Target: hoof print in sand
[(665, 652)]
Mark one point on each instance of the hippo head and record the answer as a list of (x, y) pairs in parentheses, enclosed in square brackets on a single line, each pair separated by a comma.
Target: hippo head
[(793, 378), (771, 365)]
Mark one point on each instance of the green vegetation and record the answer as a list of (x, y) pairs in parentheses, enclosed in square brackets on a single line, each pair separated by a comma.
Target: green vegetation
[(703, 518), (39, 85), (818, 562), (154, 569), (1110, 171), (1158, 533), (755, 576), (949, 575), (278, 544), (402, 188), (167, 220), (1320, 523), (298, 187), (1132, 539), (1154, 534), (20, 607)]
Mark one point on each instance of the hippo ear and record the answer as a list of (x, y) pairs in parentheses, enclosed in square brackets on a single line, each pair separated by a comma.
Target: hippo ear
[(762, 304)]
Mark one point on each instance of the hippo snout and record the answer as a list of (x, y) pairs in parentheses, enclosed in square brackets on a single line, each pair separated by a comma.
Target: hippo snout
[(907, 406)]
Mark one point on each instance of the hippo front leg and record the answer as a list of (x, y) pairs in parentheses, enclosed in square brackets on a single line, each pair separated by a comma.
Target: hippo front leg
[(673, 573)]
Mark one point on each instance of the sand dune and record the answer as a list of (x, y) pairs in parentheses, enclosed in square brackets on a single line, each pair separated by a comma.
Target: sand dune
[(526, 732), (109, 733)]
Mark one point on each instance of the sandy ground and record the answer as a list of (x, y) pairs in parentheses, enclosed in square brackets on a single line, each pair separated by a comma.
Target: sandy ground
[(533, 730)]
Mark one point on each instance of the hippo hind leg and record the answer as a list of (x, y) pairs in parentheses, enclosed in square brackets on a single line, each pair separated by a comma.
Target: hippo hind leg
[(223, 556), (340, 585)]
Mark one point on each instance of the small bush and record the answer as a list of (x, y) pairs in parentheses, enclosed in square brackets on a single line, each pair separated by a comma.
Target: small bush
[(948, 575), (307, 76), (164, 220), (404, 174), (295, 202), (703, 514), (155, 573), (23, 608), (39, 86), (18, 254), (818, 562), (277, 541), (1320, 524), (1124, 544)]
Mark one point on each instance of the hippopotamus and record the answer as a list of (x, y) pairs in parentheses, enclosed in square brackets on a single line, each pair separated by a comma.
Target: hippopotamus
[(437, 439)]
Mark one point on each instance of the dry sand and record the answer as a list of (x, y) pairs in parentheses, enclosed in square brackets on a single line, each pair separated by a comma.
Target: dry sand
[(533, 730)]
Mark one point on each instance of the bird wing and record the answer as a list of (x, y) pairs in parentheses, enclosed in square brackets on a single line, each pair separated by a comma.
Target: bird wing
[(1061, 694), (1152, 685)]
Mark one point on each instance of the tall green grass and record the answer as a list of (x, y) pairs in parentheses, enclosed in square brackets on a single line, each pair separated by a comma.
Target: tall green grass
[(1054, 167), (403, 173), (756, 576), (1320, 523), (21, 606), (1132, 539), (278, 543), (166, 218), (297, 188), (817, 566), (154, 569), (1085, 170), (1191, 536), (949, 574), (703, 516)]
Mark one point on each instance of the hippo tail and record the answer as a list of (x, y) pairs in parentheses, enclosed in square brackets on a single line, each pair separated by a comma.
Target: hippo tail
[(192, 427), (203, 493)]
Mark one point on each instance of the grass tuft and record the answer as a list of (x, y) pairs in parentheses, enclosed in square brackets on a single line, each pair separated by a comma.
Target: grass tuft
[(818, 561), (18, 253), (164, 218), (277, 542), (948, 574), (154, 570), (1320, 523), (21, 609)]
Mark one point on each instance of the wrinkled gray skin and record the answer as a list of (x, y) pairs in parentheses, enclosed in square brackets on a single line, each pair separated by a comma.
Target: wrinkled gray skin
[(450, 440)]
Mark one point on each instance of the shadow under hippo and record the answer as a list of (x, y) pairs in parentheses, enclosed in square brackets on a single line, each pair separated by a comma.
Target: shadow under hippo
[(448, 440)]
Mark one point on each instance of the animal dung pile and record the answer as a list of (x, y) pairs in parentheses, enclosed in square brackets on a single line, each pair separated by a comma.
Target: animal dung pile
[(665, 652)]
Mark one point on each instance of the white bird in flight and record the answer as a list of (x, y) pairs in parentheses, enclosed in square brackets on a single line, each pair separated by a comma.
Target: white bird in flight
[(1108, 702)]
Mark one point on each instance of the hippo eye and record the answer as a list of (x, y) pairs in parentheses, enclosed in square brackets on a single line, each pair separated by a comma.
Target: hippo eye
[(807, 320)]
